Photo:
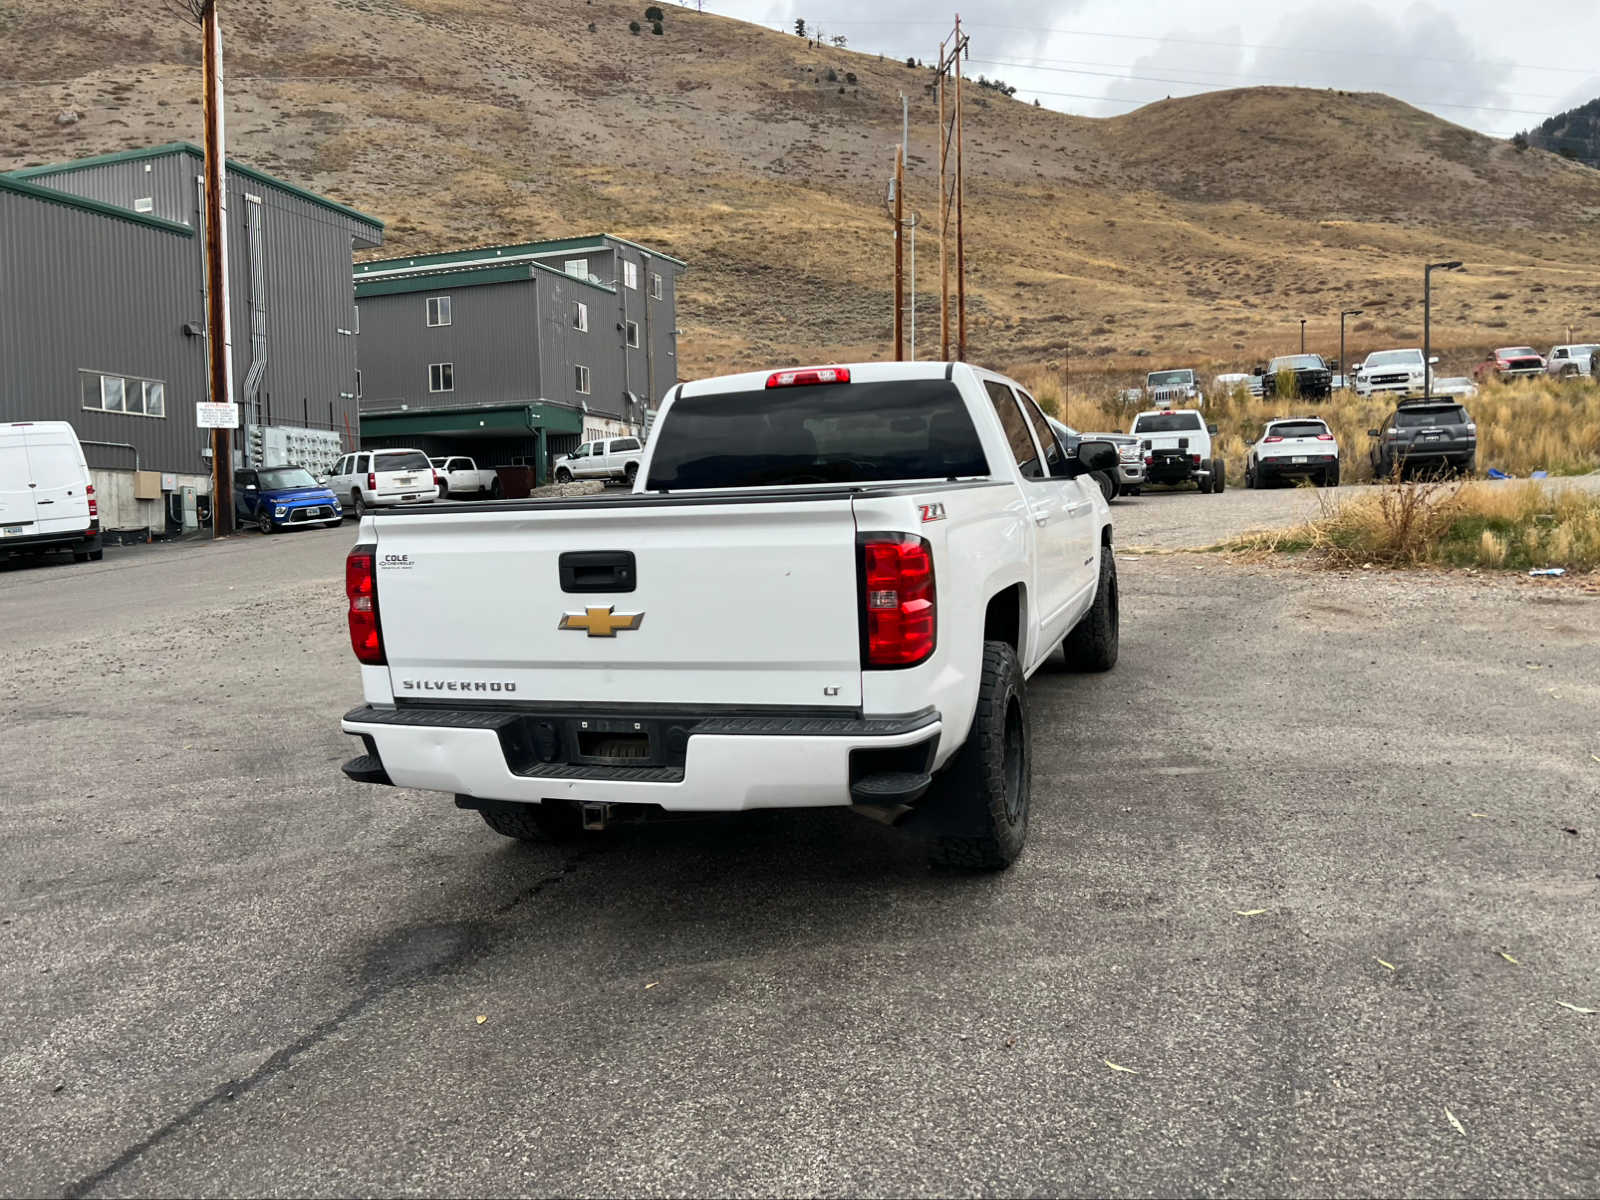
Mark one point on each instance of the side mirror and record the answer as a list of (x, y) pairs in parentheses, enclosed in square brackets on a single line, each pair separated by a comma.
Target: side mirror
[(322, 479), (1433, 360), (1373, 433), (1092, 454), (1211, 429), (250, 487)]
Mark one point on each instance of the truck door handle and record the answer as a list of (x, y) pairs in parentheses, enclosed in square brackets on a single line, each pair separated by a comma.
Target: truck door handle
[(47, 502), (598, 571), (1041, 518)]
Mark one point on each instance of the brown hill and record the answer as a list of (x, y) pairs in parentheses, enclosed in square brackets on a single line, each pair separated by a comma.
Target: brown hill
[(1195, 229)]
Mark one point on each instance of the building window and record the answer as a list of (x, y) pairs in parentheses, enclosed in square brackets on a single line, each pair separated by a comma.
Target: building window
[(441, 377), (438, 311), (123, 394), (580, 316), (655, 285), (633, 334), (358, 383), (578, 268), (144, 204), (583, 381), (355, 325), (630, 274)]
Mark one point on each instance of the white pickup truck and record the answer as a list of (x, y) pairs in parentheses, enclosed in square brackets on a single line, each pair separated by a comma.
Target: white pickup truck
[(1176, 443), (460, 476), (827, 588)]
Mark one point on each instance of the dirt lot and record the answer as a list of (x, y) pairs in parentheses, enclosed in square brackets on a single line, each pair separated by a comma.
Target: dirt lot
[(1277, 859)]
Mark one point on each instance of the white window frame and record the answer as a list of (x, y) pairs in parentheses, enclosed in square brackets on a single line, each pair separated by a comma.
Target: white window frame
[(582, 265), (655, 285), (436, 372), (630, 274), (581, 380), (632, 334), (580, 316), (126, 385), (439, 306)]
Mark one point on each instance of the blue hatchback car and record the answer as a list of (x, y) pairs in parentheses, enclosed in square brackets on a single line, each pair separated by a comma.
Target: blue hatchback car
[(277, 497)]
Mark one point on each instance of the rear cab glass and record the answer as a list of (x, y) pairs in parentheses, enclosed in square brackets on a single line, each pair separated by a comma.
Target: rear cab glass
[(1173, 422), (403, 460), (823, 433)]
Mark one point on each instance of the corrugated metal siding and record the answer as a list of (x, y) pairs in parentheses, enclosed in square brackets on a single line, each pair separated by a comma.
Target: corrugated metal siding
[(562, 347), (168, 181), (80, 290), (490, 341)]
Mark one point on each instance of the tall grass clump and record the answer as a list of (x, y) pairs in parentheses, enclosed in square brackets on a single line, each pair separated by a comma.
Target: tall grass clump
[(1515, 526), (1523, 425)]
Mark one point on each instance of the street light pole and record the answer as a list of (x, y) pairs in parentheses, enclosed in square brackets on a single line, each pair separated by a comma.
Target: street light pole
[(1344, 366), (1302, 335), (1427, 320)]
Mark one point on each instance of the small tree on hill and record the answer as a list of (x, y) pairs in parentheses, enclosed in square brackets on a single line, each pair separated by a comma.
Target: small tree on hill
[(633, 27), (1519, 140), (655, 28), (799, 27), (838, 40), (654, 13)]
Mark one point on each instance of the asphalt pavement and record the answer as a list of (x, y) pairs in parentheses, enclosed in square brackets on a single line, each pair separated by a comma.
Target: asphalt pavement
[(1261, 941)]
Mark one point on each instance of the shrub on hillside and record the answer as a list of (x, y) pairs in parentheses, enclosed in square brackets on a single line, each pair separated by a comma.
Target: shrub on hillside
[(655, 28), (633, 27), (654, 13)]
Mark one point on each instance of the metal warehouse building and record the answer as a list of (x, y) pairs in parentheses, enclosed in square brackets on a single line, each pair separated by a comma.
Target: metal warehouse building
[(515, 354), (102, 319)]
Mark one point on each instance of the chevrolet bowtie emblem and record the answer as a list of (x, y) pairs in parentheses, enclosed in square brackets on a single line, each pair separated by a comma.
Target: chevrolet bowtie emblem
[(601, 622)]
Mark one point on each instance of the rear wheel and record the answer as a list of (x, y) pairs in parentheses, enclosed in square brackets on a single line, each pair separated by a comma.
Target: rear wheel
[(1219, 475), (549, 821), (444, 490), (1330, 477), (358, 505), (980, 801), (80, 556), (630, 473), (96, 555)]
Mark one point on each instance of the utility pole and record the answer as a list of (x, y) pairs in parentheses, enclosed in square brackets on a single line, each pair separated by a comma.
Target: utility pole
[(1427, 320), (899, 253), (218, 339), (1344, 366), (905, 152), (951, 190), (1302, 335)]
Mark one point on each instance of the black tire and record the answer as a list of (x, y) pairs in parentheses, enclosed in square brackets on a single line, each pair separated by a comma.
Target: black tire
[(444, 490), (563, 475), (548, 822), (1330, 477), (630, 473), (264, 522), (1132, 491), (96, 555), (1219, 475), (980, 800), (357, 504), (494, 489), (80, 556), (1092, 644), (1108, 489)]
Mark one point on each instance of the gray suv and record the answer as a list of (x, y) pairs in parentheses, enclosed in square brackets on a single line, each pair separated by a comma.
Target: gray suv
[(1426, 437)]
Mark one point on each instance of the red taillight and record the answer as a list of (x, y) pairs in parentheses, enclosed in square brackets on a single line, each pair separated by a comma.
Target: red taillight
[(94, 505), (1273, 438), (1195, 458), (897, 599), (436, 479), (361, 586), (809, 375), (1324, 437), (1149, 459), (372, 481)]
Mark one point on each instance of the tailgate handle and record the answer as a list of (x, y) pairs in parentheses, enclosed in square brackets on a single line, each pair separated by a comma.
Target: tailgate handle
[(598, 571)]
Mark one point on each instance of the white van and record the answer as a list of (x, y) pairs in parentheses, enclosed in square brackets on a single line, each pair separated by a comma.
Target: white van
[(46, 496)]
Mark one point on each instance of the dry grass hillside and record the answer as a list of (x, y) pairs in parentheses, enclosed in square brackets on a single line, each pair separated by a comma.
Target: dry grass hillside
[(1193, 230)]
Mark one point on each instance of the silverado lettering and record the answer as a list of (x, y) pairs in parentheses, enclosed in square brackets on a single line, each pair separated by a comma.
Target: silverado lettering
[(454, 685)]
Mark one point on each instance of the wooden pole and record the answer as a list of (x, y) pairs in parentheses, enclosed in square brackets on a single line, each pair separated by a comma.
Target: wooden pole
[(944, 224), (218, 343), (899, 255), (961, 249)]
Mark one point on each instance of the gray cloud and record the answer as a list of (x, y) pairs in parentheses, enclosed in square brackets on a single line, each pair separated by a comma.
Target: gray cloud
[(1221, 65)]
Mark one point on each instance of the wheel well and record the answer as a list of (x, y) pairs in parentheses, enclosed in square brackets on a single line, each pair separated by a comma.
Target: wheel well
[(1002, 621), (1105, 536)]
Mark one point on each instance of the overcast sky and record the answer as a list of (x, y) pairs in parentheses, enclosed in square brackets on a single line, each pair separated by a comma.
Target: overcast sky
[(1494, 66)]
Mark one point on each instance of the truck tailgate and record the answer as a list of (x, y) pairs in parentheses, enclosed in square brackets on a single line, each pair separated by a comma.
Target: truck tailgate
[(730, 604)]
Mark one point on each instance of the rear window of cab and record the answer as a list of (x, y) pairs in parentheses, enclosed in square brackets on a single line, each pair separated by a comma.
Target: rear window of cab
[(1173, 422)]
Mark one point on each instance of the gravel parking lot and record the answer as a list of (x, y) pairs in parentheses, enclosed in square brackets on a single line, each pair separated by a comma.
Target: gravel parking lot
[(1281, 862)]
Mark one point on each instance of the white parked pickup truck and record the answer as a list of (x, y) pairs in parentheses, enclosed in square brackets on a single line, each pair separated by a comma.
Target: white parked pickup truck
[(1176, 443), (827, 588), (615, 458), (460, 476)]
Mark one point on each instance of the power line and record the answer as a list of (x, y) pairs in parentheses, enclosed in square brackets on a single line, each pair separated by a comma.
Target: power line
[(1206, 83), (1150, 37)]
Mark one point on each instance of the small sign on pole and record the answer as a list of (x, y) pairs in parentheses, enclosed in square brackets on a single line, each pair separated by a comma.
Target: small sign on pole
[(216, 416)]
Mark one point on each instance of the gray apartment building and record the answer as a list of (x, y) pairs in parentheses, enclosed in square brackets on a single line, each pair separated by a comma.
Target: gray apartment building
[(515, 354), (102, 318)]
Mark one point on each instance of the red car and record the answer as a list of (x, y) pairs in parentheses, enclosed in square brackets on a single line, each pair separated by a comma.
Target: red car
[(1510, 362)]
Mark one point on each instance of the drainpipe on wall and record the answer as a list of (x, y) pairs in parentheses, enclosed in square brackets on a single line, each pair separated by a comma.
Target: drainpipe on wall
[(258, 322), (649, 347)]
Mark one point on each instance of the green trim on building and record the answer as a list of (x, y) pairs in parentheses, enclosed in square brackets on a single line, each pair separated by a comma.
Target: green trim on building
[(512, 418), (100, 160), (466, 275), (485, 254), (51, 196)]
